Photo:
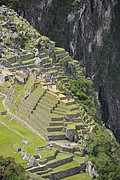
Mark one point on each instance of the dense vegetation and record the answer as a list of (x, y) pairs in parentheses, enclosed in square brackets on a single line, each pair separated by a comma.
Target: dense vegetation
[(104, 152), (10, 170), (102, 148), (10, 3), (82, 88)]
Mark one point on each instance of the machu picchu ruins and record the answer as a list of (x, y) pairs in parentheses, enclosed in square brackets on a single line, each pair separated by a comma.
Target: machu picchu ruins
[(39, 103)]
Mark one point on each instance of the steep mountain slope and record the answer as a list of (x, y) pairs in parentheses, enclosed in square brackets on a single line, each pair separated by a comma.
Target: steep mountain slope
[(51, 96), (89, 30)]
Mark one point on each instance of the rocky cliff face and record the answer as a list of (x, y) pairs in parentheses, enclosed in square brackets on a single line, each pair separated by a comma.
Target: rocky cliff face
[(90, 31)]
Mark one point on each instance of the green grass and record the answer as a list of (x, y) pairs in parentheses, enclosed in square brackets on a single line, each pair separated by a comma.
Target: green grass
[(65, 166), (33, 139), (14, 64), (44, 58), (28, 86), (79, 160), (18, 93), (49, 100), (52, 72), (52, 115), (44, 38), (72, 112), (46, 153), (10, 55), (30, 149), (4, 87), (29, 61), (11, 107), (71, 126), (57, 49), (2, 109), (7, 140), (66, 108), (40, 115), (60, 156), (83, 176), (33, 123)]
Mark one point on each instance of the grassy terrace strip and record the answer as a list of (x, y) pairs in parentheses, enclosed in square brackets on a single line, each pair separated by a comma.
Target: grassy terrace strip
[(29, 61), (59, 50), (65, 166), (32, 123), (52, 72), (45, 120), (75, 112), (47, 108), (39, 128), (52, 97), (45, 58), (51, 115), (67, 108), (46, 127), (49, 100), (46, 103), (22, 66), (83, 176), (39, 116), (79, 160), (60, 156), (61, 109), (15, 64), (46, 153)]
